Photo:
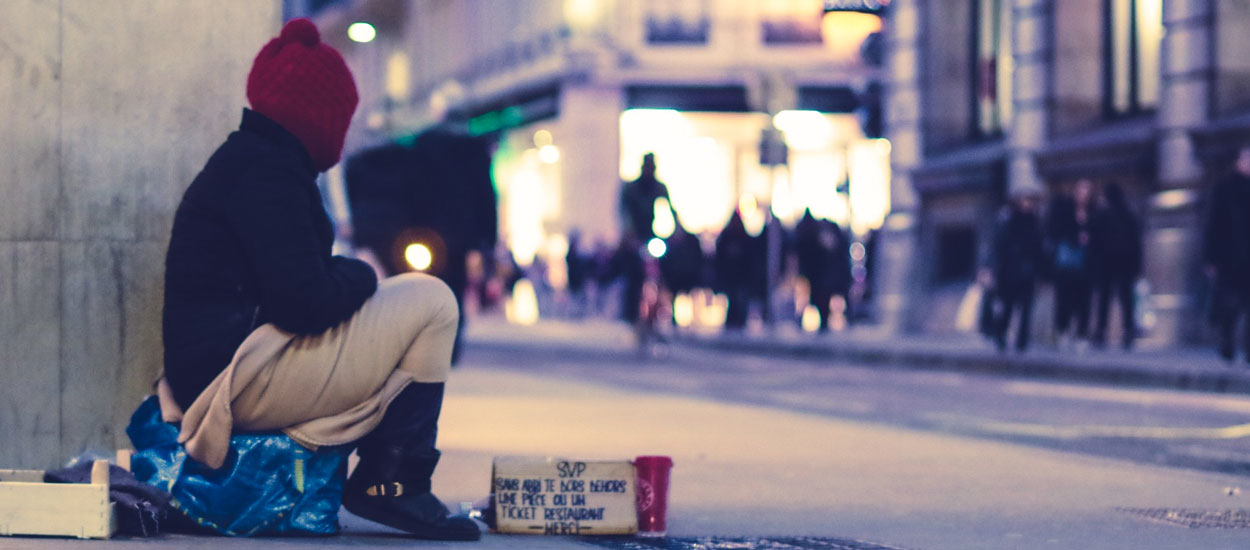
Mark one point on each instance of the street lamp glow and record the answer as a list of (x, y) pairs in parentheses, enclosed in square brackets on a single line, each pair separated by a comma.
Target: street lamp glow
[(361, 32), (549, 154), (542, 138), (419, 256), (656, 247)]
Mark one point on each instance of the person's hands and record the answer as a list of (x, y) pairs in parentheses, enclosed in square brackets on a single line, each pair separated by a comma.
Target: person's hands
[(367, 256), (985, 278)]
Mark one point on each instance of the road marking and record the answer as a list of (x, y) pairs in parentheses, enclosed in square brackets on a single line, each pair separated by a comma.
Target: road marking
[(1145, 398), (1237, 431)]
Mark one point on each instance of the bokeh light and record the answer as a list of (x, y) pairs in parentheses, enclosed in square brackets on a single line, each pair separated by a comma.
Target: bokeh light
[(419, 256), (361, 32)]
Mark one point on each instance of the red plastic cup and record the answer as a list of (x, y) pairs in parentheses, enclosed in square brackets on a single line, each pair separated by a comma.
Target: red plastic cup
[(652, 494)]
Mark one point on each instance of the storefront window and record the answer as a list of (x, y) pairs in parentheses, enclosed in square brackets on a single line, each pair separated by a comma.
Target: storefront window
[(710, 162), (677, 21), (792, 21), (1232, 41), (1134, 35), (994, 63), (1078, 74)]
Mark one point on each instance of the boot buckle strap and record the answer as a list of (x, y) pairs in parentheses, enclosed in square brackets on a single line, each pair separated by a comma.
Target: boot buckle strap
[(392, 489)]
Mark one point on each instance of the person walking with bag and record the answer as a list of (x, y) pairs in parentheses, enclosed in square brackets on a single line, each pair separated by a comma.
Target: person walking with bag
[(1226, 254), (1017, 262), (265, 330)]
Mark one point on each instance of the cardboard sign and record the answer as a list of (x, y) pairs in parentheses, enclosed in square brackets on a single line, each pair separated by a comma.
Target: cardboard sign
[(558, 496)]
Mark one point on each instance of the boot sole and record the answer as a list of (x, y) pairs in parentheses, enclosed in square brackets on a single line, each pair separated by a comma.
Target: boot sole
[(405, 524)]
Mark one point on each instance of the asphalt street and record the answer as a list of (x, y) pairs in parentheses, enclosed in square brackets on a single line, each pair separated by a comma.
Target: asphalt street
[(1186, 429)]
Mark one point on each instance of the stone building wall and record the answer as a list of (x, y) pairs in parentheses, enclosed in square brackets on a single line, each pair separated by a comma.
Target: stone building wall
[(110, 107)]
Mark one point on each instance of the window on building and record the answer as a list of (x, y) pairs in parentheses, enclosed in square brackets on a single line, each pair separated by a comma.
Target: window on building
[(791, 22), (304, 8), (1133, 37), (1077, 73), (993, 66), (678, 21), (949, 94), (1232, 41)]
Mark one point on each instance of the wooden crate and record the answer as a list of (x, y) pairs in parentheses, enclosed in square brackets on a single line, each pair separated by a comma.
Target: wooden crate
[(28, 506)]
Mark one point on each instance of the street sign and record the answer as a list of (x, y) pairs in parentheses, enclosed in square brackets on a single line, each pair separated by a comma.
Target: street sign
[(773, 150), (560, 496)]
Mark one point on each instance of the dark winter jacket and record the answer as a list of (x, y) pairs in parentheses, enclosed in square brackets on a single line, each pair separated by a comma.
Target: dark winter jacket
[(1116, 240), (1018, 256), (1069, 254), (251, 245), (637, 206), (737, 254), (682, 265), (1226, 242), (824, 257)]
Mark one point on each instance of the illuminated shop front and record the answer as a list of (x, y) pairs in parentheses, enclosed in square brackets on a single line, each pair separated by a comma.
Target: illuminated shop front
[(700, 91), (711, 164)]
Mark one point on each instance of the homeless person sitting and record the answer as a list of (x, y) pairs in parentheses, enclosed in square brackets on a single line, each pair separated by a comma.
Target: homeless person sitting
[(265, 330)]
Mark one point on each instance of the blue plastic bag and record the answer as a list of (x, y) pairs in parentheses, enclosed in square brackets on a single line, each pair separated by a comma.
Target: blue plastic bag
[(269, 484)]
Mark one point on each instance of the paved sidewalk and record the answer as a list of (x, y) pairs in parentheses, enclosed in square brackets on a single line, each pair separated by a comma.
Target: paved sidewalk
[(753, 471), (1193, 369), (745, 470)]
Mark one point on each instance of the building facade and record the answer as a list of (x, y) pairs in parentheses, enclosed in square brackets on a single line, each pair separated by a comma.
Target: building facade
[(576, 91), (987, 96)]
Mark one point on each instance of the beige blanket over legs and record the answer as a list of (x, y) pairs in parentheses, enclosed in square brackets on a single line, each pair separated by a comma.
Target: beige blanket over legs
[(334, 387)]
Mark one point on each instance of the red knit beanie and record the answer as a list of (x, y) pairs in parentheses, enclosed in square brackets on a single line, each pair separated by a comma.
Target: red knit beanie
[(306, 87)]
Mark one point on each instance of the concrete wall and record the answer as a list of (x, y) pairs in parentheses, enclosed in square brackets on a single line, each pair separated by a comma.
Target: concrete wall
[(111, 107)]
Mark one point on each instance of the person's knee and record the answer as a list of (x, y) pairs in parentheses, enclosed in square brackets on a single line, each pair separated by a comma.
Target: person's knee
[(428, 293)]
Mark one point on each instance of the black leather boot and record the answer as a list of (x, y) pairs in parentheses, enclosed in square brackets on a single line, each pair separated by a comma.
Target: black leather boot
[(391, 483)]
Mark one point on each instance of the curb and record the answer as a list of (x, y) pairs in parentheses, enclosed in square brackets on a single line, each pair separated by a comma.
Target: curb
[(1115, 370)]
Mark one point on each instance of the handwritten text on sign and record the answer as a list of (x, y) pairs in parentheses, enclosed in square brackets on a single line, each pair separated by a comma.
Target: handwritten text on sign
[(564, 497)]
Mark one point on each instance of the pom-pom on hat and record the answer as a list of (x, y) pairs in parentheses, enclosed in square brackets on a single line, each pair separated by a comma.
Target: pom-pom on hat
[(305, 86)]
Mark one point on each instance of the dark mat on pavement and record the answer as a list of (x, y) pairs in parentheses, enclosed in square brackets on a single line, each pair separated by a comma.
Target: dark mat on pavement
[(733, 543)]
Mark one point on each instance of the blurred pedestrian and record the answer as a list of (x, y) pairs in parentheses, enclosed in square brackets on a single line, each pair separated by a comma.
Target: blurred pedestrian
[(578, 266), (605, 273), (1070, 220), (637, 213), (682, 263), (1117, 251), (736, 262), (265, 330), (824, 254), (1226, 253), (1017, 261)]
